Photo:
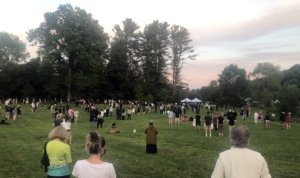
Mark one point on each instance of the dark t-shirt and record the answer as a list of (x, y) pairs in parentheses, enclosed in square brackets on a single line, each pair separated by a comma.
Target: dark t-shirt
[(7, 108), (208, 120), (234, 114), (177, 114), (57, 122), (231, 120), (267, 117), (198, 118), (55, 110), (59, 110), (221, 120)]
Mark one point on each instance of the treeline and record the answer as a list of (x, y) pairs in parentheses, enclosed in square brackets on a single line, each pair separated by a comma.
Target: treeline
[(266, 85), (76, 58)]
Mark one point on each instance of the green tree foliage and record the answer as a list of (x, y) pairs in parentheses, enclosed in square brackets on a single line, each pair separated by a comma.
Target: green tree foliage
[(163, 95), (153, 50), (289, 96), (292, 75), (149, 98), (12, 49), (73, 45), (233, 86), (122, 69), (181, 50), (266, 82), (138, 92)]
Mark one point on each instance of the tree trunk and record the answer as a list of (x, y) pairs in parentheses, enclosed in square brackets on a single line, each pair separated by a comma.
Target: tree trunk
[(69, 84)]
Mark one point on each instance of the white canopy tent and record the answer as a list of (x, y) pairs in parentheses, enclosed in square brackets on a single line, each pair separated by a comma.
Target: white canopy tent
[(196, 100), (186, 99)]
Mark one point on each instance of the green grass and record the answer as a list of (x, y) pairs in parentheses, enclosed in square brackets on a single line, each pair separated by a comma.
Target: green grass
[(182, 151)]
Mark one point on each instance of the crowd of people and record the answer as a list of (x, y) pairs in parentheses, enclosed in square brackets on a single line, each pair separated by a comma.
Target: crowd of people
[(60, 155)]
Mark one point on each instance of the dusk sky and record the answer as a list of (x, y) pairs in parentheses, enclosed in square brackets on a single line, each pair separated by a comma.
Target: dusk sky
[(242, 32)]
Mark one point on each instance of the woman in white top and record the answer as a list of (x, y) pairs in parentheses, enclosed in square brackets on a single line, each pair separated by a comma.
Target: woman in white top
[(76, 113), (67, 125), (94, 166), (255, 117)]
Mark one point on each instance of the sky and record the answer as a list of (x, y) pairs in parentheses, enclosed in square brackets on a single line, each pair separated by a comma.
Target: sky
[(241, 32)]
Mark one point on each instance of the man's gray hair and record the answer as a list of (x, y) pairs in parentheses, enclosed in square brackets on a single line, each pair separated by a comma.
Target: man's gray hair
[(240, 136)]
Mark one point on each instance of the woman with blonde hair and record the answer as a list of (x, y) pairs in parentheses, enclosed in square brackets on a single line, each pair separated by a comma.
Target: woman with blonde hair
[(94, 166), (288, 120), (76, 113), (59, 154)]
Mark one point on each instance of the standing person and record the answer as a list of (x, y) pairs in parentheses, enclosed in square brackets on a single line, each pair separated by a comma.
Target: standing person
[(208, 120), (52, 111), (55, 111), (262, 114), (59, 154), (32, 107), (231, 121), (139, 110), (177, 116), (244, 115), (255, 117), (198, 121), (129, 112), (93, 166), (71, 114), (240, 161), (67, 125), (100, 119), (151, 139), (19, 110), (220, 124), (259, 117), (288, 120), (267, 120), (57, 121), (144, 110), (215, 121), (249, 109), (7, 111), (64, 109), (170, 116), (111, 110), (92, 118), (59, 110), (76, 113), (281, 119), (14, 111), (123, 114)]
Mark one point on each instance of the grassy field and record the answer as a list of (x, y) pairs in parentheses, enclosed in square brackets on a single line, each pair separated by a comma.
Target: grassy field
[(182, 151)]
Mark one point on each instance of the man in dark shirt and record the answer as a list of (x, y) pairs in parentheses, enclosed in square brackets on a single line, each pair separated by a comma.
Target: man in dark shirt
[(198, 121), (177, 116), (208, 120), (231, 120), (57, 121)]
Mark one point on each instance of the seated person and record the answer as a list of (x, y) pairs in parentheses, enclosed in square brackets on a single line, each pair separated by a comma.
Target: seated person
[(191, 118), (113, 128), (185, 118)]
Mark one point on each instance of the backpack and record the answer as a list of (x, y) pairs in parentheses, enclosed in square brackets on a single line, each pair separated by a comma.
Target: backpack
[(45, 159)]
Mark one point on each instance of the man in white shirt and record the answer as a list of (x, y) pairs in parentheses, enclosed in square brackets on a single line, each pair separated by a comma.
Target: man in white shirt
[(240, 161)]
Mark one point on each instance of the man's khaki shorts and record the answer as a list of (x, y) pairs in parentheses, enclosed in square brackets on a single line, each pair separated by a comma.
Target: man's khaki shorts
[(7, 113), (177, 119), (230, 127), (207, 127)]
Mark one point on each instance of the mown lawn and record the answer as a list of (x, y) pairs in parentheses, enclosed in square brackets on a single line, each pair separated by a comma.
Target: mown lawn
[(182, 151)]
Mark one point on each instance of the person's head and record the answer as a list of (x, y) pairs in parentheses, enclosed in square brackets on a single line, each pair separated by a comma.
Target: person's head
[(95, 144), (55, 107), (289, 113), (239, 136), (18, 105), (208, 112), (151, 122), (221, 114), (63, 104), (123, 110), (58, 116), (113, 125), (58, 132), (67, 118)]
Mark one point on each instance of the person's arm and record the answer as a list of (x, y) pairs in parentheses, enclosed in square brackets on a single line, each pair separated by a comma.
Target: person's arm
[(219, 171), (53, 124), (265, 171), (146, 131)]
